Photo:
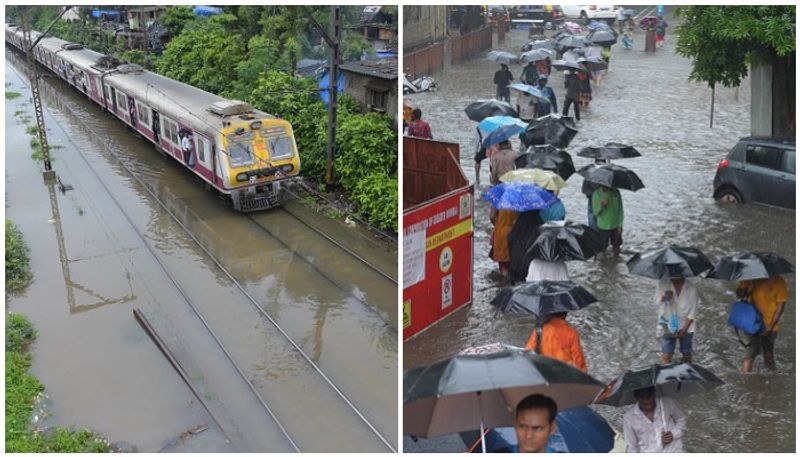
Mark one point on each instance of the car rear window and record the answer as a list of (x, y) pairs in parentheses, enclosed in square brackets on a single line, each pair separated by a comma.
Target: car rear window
[(788, 161), (764, 156)]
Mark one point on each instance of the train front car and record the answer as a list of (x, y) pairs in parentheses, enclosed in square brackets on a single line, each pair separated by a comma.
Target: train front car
[(262, 156)]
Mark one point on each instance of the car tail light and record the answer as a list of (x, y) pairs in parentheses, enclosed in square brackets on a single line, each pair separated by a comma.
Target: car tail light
[(724, 164)]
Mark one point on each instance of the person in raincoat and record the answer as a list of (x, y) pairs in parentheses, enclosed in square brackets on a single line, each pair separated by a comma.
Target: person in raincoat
[(560, 341), (653, 424), (677, 301), (661, 31), (769, 297), (608, 212), (543, 108)]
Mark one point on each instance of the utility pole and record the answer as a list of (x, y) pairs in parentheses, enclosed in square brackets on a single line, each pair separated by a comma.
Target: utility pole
[(333, 87), (48, 174)]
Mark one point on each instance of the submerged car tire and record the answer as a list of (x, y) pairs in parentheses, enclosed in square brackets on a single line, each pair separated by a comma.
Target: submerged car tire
[(729, 195)]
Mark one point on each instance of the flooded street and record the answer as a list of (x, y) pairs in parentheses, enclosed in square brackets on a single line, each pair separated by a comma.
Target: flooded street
[(645, 101), (230, 332)]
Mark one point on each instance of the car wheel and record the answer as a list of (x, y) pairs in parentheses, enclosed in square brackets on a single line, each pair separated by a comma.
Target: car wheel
[(729, 195)]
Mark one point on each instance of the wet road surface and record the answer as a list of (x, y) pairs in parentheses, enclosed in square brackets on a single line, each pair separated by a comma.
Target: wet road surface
[(127, 246), (645, 101)]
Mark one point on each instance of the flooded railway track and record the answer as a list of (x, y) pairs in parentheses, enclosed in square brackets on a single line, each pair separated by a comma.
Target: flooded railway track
[(290, 416)]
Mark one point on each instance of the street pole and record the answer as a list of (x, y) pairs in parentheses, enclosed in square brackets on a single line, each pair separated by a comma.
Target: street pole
[(48, 173), (333, 87)]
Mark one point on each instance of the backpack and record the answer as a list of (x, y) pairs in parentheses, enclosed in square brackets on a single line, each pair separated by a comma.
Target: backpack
[(745, 317)]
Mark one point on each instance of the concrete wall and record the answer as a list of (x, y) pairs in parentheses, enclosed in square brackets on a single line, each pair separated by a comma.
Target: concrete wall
[(772, 103), (355, 86), (423, 26), (761, 100)]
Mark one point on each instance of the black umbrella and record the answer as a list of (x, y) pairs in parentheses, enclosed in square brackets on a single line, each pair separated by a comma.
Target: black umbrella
[(565, 42), (553, 129), (674, 380), (612, 175), (602, 37), (573, 55), (610, 151), (502, 57), (750, 265), (481, 388), (542, 298), (566, 242), (669, 262), (537, 44), (562, 65), (535, 55), (593, 63), (557, 161), (481, 109)]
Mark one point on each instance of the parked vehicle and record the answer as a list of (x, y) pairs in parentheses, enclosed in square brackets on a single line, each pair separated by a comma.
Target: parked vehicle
[(758, 170), (421, 84), (499, 16), (530, 15), (587, 13)]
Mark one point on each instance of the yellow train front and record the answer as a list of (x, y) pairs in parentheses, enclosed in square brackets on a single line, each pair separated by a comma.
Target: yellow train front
[(260, 155)]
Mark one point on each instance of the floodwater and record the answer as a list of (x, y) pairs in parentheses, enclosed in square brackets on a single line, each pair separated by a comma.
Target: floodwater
[(645, 101), (125, 251)]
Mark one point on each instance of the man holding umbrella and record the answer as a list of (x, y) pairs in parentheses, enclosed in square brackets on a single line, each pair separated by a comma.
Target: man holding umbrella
[(769, 297), (640, 429), (607, 210)]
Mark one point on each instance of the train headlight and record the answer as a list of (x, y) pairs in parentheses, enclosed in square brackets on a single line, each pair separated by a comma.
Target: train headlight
[(241, 177), (255, 125), (287, 168)]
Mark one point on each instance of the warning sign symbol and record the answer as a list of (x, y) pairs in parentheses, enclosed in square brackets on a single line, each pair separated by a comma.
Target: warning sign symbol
[(446, 259), (447, 291)]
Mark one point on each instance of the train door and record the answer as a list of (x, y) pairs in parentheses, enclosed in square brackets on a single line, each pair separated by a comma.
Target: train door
[(203, 149), (156, 128), (113, 99)]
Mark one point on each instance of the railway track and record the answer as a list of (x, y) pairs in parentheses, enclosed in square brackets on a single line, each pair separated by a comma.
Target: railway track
[(335, 397)]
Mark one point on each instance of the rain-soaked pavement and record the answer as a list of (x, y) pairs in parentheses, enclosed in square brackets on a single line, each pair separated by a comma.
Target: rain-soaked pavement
[(645, 101), (122, 251)]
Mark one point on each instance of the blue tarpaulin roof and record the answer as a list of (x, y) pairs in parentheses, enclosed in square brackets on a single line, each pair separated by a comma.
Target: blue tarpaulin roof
[(324, 84), (108, 13), (202, 10)]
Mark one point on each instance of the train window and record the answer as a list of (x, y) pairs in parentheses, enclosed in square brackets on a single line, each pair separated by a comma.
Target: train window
[(280, 147), (169, 130), (240, 149), (122, 100), (143, 113), (202, 147)]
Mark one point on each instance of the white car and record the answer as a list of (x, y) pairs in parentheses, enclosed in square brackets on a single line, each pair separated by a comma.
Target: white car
[(587, 13)]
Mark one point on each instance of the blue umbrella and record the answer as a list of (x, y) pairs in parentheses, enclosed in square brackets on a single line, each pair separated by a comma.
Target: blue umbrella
[(530, 90), (519, 196), (578, 430), (496, 129), (598, 25)]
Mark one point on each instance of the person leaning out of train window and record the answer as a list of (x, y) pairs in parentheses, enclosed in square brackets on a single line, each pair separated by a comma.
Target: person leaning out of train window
[(132, 111), (186, 146)]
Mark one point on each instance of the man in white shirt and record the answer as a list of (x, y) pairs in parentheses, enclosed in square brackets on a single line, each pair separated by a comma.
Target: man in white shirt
[(653, 424), (677, 304)]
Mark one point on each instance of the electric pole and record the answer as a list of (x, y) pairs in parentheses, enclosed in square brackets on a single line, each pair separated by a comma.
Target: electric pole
[(28, 44), (333, 87)]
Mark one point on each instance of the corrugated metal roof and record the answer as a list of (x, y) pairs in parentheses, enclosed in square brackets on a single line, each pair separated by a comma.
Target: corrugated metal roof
[(381, 68)]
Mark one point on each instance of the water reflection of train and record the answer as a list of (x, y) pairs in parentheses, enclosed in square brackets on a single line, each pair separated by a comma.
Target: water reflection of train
[(243, 153)]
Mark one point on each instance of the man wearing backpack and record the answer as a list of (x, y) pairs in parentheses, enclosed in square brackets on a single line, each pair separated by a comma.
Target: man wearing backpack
[(769, 297)]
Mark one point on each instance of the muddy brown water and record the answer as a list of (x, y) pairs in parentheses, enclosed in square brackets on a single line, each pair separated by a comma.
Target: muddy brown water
[(342, 314), (645, 101)]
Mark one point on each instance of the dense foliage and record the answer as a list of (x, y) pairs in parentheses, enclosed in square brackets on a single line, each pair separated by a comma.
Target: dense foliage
[(250, 53), (17, 259), (22, 389), (722, 40)]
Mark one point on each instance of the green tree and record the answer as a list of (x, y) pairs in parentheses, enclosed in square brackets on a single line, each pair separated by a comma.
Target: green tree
[(722, 40), (204, 55), (175, 18)]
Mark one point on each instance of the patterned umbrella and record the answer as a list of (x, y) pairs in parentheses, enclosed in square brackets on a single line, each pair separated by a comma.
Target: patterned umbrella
[(518, 196), (544, 178)]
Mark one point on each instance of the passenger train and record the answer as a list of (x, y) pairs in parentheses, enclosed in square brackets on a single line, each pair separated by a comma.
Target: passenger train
[(245, 154)]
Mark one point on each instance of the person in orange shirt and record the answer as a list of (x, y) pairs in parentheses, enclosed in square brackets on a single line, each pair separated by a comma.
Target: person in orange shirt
[(769, 297), (559, 341)]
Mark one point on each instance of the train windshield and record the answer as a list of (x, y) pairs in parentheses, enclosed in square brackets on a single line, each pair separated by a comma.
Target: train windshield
[(280, 147), (240, 149)]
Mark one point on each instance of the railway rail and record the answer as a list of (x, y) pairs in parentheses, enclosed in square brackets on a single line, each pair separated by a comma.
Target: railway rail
[(335, 389)]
